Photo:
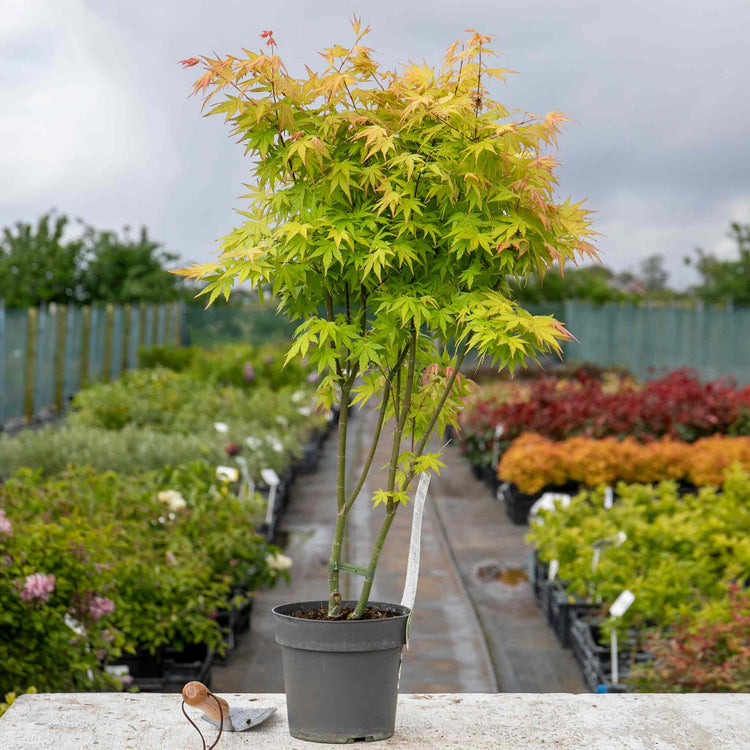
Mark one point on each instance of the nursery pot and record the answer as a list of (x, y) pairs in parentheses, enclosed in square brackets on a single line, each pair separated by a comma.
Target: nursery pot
[(340, 676)]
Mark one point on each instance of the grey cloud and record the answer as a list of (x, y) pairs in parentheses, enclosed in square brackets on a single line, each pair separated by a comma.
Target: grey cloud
[(102, 127)]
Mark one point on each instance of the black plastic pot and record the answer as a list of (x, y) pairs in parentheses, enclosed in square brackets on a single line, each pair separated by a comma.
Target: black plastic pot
[(518, 504), (341, 677)]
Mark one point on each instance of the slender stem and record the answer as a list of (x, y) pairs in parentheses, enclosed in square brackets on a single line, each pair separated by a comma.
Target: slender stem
[(426, 436), (378, 430), (341, 518), (371, 454), (391, 505), (478, 96), (374, 557)]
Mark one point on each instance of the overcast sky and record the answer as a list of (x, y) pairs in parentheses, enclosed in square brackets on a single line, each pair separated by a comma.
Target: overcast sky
[(95, 119)]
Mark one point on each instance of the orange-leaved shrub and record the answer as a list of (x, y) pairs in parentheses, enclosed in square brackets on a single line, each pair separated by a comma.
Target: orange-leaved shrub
[(533, 462)]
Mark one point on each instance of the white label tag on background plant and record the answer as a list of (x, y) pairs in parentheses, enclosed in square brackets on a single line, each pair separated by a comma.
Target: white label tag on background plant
[(74, 625), (248, 486), (622, 604), (609, 498), (554, 566), (270, 477), (221, 427), (415, 543), (499, 430)]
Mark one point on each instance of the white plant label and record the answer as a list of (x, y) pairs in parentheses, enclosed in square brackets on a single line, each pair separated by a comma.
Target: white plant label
[(614, 659), (74, 625), (248, 486), (412, 570), (609, 498), (554, 567), (117, 670), (253, 443), (548, 501), (499, 430), (270, 477), (221, 427), (622, 604)]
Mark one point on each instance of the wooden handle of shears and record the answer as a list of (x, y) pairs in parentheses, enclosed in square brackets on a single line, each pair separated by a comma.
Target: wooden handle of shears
[(196, 694)]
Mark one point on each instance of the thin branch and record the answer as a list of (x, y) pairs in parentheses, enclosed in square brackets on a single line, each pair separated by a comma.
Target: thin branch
[(426, 436), (378, 430)]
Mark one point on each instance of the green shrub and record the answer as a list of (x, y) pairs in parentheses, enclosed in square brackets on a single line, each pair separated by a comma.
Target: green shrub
[(678, 550), (164, 549), (238, 365)]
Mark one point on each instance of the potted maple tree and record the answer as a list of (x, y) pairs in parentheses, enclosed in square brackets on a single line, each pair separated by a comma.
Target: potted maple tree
[(387, 212)]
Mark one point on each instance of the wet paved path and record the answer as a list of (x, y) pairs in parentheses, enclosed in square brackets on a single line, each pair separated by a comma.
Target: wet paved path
[(468, 634)]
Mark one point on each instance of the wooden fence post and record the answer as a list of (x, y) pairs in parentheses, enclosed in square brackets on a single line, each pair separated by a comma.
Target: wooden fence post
[(60, 340), (32, 319), (177, 324), (128, 313), (85, 344), (141, 326), (154, 325), (108, 332)]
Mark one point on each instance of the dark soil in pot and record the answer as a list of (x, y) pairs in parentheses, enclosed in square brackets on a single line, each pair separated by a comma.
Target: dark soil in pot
[(341, 676)]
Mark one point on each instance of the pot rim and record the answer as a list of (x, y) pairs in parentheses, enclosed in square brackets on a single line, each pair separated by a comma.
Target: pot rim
[(314, 603)]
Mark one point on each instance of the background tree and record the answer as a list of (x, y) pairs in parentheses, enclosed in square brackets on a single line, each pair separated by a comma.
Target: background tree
[(653, 273), (725, 281), (595, 284), (41, 263), (37, 265), (121, 269)]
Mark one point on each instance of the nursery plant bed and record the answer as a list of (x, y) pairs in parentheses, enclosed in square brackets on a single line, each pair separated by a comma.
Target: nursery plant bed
[(594, 659), (227, 621), (518, 504), (242, 620), (193, 662), (309, 460), (145, 668), (562, 608)]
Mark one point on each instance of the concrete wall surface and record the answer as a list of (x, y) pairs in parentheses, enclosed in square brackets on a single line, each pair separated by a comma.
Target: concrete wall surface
[(120, 721)]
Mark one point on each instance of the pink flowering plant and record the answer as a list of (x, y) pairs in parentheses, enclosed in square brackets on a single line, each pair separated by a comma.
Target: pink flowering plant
[(387, 211), (56, 606), (135, 563)]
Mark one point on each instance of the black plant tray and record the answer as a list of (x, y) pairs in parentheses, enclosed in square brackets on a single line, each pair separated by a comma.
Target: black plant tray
[(242, 622), (561, 608), (488, 474), (594, 659), (309, 461), (227, 621), (518, 504), (194, 662)]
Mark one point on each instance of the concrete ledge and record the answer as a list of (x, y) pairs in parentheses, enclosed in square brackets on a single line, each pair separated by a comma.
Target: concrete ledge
[(117, 721)]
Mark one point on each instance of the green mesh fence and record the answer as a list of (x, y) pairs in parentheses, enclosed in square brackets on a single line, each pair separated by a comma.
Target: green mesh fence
[(47, 354), (14, 355), (44, 364), (650, 340)]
